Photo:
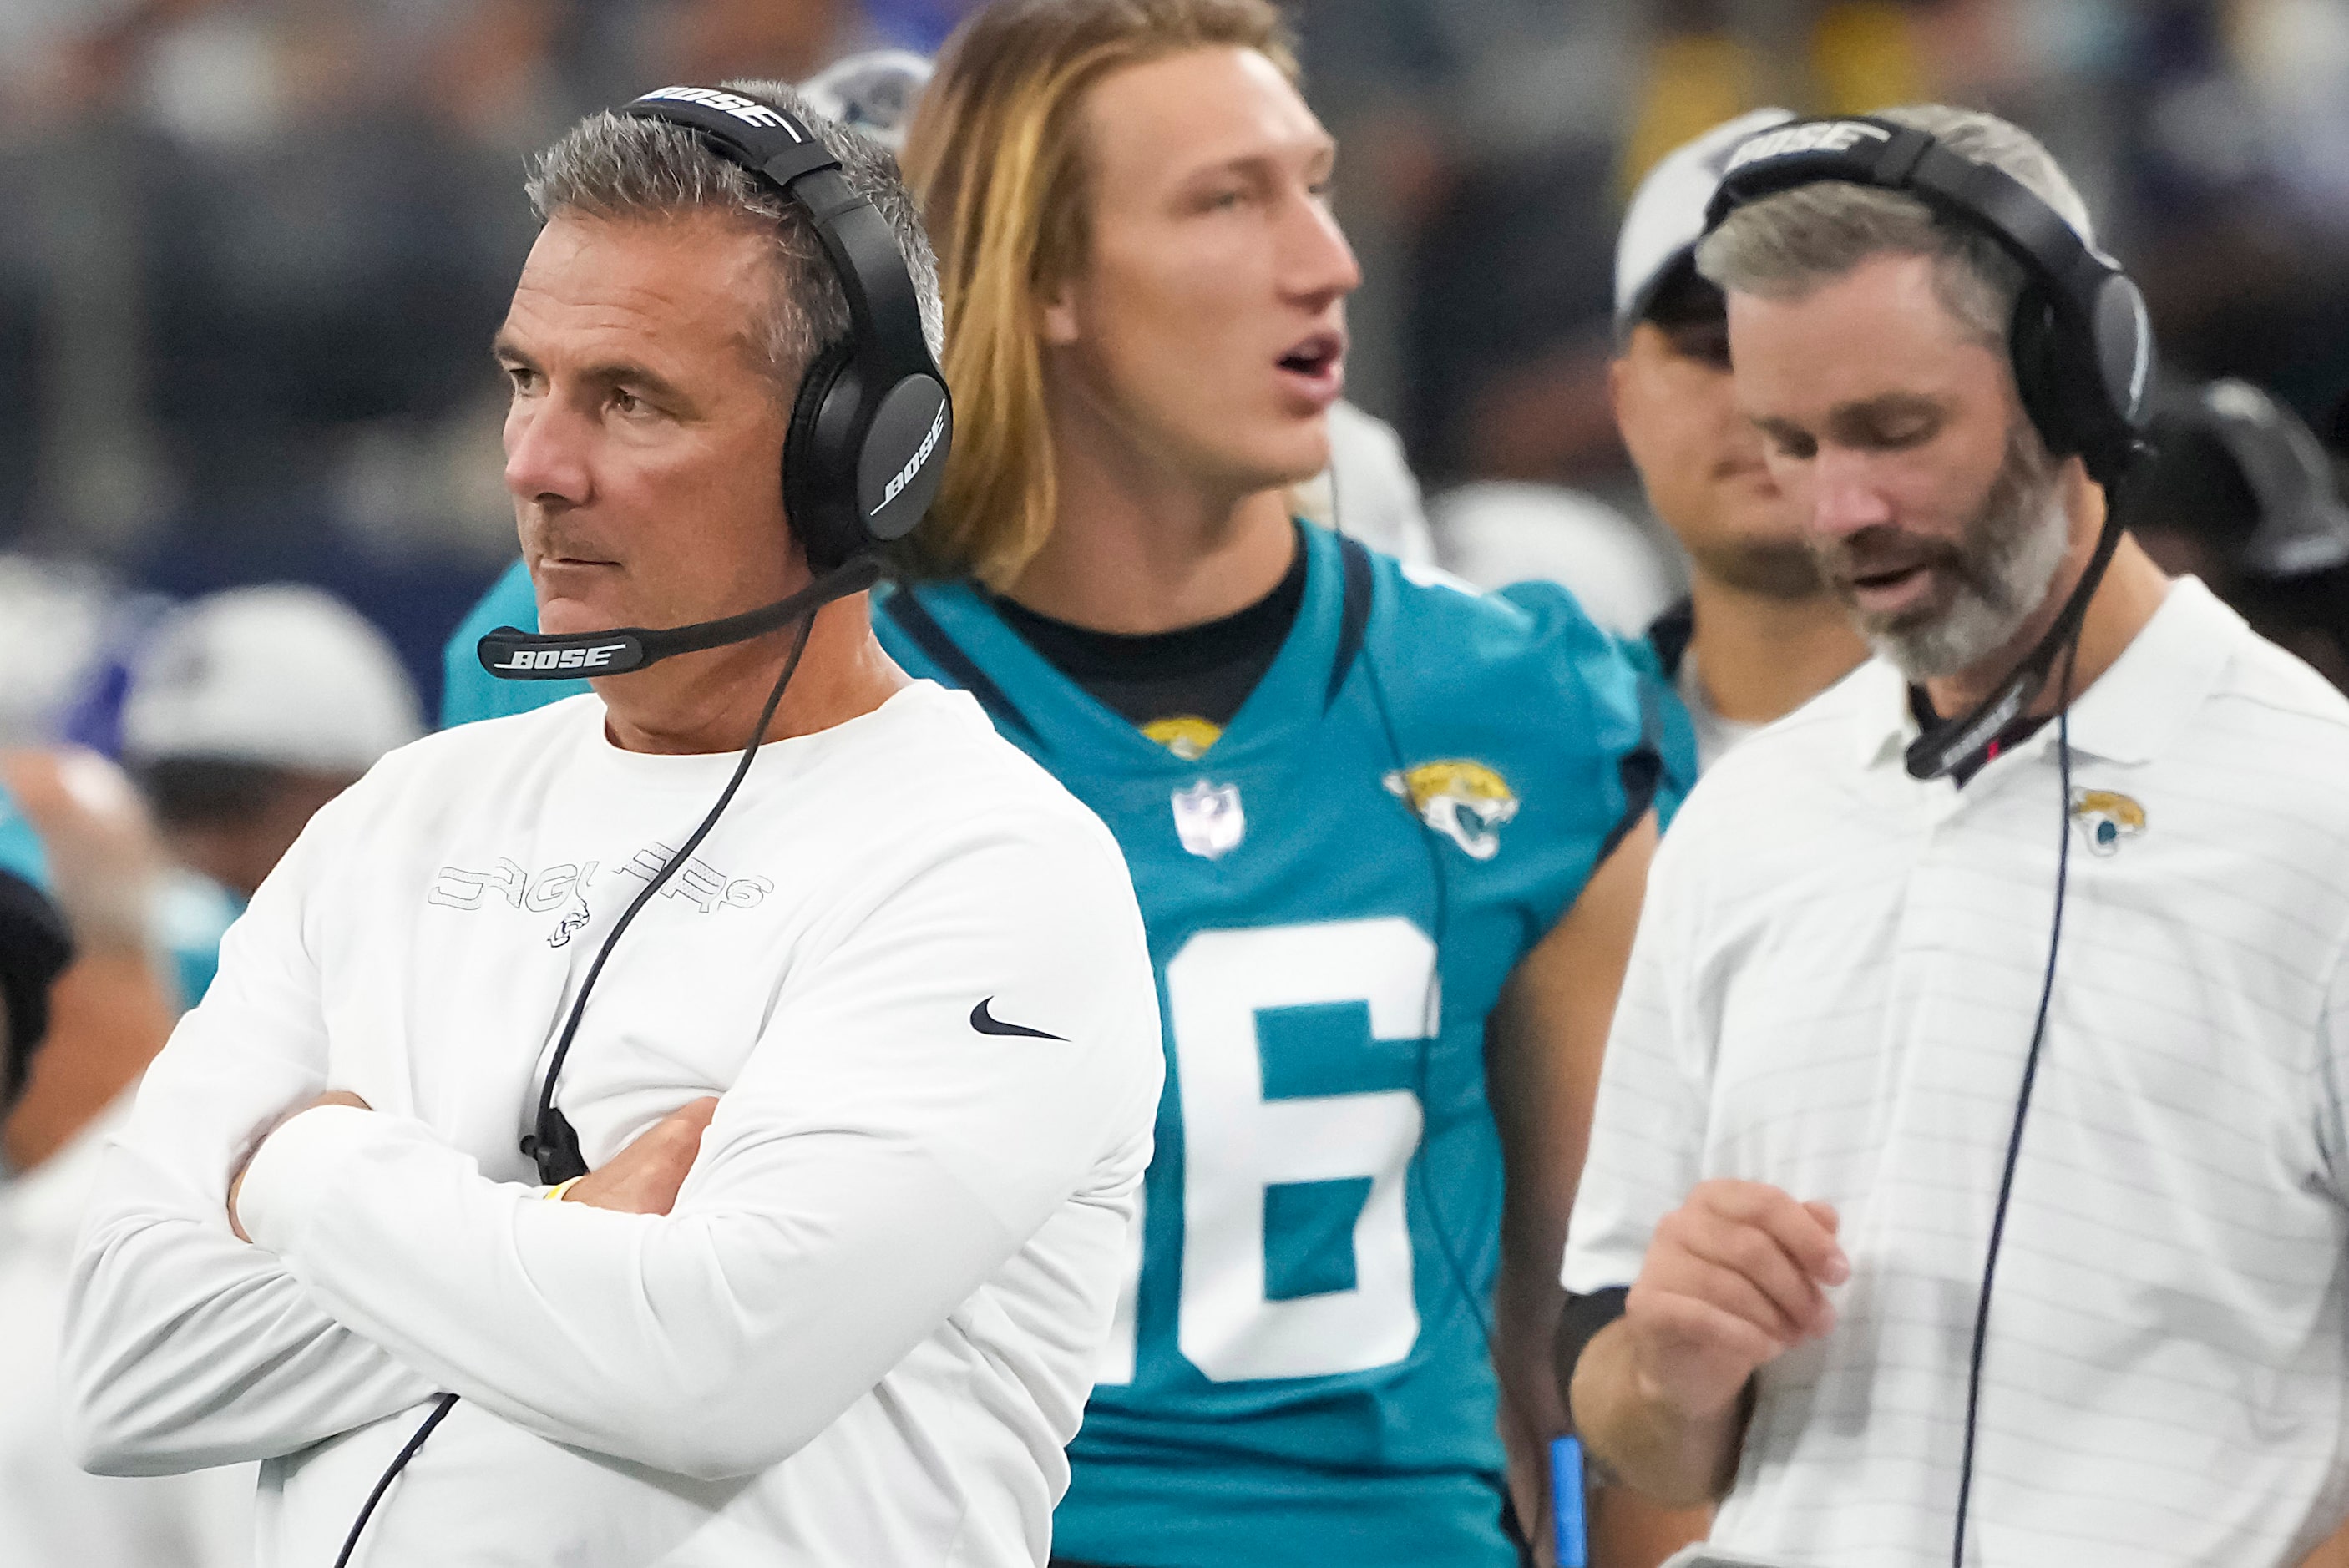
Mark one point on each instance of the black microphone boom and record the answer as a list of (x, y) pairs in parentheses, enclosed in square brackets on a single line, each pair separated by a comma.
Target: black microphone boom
[(1963, 742), (512, 654)]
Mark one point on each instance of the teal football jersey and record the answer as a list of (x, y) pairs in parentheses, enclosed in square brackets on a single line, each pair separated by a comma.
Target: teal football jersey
[(1336, 889), (468, 691), (1667, 719)]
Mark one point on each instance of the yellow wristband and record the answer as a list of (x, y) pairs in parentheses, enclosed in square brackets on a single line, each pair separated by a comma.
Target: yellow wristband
[(554, 1194)]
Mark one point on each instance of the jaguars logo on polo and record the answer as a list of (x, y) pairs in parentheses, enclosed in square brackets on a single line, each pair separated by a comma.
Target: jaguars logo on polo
[(2109, 817), (1464, 800)]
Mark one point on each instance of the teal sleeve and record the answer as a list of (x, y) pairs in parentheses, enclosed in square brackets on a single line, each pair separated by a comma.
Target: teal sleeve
[(193, 912), (468, 691), (1625, 725), (21, 854), (35, 947), (1670, 732)]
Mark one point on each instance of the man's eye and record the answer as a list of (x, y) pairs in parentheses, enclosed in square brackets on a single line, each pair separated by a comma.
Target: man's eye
[(522, 378), (627, 402), (1793, 444), (1704, 342)]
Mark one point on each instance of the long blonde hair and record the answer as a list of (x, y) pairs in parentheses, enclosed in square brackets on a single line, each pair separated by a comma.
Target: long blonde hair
[(996, 158)]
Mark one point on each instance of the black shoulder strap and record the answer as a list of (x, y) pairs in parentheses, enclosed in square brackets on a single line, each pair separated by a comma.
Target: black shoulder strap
[(1670, 634), (907, 610), (1353, 617)]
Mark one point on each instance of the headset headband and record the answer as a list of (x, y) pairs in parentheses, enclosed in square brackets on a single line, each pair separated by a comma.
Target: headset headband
[(884, 441), (2088, 393)]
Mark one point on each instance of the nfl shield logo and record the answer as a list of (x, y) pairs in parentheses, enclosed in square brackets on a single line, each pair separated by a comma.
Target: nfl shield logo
[(1209, 820)]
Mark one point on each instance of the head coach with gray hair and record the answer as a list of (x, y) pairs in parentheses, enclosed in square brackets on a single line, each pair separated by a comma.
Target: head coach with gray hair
[(1968, 1176), (826, 1015)]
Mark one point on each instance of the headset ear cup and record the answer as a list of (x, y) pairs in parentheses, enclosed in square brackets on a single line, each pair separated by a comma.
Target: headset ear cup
[(827, 526), (2033, 344)]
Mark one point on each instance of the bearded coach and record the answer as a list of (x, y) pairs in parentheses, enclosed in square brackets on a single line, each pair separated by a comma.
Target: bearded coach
[(841, 1005), (1970, 1174)]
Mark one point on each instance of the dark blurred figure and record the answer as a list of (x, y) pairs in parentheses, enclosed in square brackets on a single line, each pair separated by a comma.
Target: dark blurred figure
[(2243, 496)]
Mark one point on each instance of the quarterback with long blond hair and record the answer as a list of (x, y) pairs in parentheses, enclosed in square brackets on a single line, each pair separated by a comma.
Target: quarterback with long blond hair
[(1388, 835)]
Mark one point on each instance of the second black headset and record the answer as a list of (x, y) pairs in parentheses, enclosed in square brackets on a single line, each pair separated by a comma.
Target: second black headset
[(2081, 343), (2083, 357)]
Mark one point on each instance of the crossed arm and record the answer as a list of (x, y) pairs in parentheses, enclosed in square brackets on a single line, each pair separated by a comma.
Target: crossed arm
[(852, 1189)]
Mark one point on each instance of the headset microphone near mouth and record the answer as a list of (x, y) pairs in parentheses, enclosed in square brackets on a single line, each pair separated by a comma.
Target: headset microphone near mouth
[(514, 654)]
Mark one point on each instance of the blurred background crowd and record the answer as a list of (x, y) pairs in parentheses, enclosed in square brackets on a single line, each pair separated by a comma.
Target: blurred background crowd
[(251, 253), (253, 249)]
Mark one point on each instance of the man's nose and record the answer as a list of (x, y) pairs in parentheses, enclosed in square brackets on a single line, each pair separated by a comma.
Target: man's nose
[(1844, 496), (546, 454), (1318, 266)]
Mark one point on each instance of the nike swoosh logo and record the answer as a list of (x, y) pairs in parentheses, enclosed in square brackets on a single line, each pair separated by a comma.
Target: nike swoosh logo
[(987, 1023)]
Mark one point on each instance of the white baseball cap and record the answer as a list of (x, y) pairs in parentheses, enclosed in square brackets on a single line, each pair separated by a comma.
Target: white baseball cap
[(873, 92), (282, 675), (1666, 218)]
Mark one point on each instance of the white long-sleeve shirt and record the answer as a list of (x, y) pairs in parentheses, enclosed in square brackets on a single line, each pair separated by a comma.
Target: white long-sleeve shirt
[(864, 1333)]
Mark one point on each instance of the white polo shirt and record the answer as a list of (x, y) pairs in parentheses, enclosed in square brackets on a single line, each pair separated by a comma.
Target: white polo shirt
[(908, 962), (1832, 992)]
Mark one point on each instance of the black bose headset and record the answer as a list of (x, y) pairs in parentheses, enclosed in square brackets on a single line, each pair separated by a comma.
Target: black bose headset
[(871, 425), (2081, 343), (2082, 356), (870, 429)]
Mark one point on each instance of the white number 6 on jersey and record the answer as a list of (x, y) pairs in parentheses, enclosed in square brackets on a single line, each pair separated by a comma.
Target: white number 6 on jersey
[(1237, 1143)]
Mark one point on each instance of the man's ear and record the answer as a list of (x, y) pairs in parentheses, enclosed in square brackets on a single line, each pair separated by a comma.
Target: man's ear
[(1056, 315)]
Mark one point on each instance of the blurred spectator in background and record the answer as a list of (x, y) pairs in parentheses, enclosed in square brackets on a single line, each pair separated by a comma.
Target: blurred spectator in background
[(1494, 532), (2241, 495), (35, 947), (249, 710), (81, 825), (253, 247), (56, 623), (1759, 634), (244, 712), (1368, 491)]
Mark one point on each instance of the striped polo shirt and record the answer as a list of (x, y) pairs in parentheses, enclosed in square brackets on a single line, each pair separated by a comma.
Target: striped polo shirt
[(1832, 992)]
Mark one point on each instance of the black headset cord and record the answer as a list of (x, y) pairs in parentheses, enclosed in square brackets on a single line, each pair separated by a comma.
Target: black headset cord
[(554, 1140), (2021, 1100)]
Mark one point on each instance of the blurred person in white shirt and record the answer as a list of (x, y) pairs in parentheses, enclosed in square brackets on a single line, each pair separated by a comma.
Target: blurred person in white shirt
[(62, 1094), (244, 712)]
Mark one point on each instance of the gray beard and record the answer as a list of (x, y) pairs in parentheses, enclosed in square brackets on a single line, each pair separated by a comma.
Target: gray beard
[(2013, 546)]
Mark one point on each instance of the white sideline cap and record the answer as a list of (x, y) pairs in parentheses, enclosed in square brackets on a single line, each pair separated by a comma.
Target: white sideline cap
[(873, 92), (283, 675), (1666, 218)]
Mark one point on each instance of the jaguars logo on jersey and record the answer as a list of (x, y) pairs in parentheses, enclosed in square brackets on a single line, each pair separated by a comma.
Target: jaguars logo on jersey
[(2107, 817), (1464, 800), (1187, 736)]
